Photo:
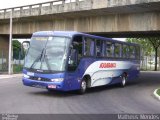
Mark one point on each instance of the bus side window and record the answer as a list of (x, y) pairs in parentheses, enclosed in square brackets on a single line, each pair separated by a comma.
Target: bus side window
[(89, 47), (109, 49), (103, 49), (132, 52), (125, 51), (117, 50), (98, 48)]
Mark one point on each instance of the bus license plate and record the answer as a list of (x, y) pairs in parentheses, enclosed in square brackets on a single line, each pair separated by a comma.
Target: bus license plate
[(52, 86)]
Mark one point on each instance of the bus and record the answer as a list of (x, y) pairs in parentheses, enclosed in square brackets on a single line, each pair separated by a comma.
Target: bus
[(69, 60)]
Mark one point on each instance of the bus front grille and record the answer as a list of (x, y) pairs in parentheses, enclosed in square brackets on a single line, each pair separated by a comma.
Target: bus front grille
[(40, 79)]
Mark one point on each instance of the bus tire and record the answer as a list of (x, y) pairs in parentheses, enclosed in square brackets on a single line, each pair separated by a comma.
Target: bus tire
[(83, 87), (124, 81)]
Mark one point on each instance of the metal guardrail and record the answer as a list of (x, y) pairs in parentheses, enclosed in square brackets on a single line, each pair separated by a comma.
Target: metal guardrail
[(30, 6), (38, 6)]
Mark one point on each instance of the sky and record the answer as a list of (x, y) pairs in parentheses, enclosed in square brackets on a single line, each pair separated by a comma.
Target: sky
[(120, 39), (16, 3)]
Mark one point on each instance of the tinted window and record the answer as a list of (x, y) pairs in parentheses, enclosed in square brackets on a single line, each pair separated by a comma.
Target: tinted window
[(75, 53), (125, 51), (99, 45), (109, 49), (117, 50), (89, 47), (132, 52)]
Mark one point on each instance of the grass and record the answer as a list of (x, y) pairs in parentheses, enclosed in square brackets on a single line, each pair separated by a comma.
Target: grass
[(17, 68), (158, 92)]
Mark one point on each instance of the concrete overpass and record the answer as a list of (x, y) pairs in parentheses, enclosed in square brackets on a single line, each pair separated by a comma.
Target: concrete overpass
[(93, 16), (118, 18)]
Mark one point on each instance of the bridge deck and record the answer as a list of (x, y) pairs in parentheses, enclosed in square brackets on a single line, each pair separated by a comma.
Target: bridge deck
[(89, 7)]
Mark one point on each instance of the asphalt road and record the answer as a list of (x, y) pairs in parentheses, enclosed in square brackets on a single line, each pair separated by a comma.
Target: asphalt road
[(136, 97)]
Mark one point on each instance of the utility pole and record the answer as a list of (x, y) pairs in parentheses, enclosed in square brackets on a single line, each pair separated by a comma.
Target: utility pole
[(10, 46)]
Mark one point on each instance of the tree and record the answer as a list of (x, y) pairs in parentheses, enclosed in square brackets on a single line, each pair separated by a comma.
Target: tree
[(148, 45), (155, 41), (16, 49), (159, 56)]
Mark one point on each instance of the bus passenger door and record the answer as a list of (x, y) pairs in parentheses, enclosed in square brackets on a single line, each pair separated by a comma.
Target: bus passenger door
[(73, 63), (73, 60)]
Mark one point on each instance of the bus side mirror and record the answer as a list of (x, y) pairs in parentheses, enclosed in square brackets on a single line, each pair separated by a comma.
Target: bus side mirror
[(72, 62), (24, 47), (72, 57)]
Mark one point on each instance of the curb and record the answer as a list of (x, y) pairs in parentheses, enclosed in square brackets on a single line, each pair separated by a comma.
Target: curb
[(156, 95), (10, 76)]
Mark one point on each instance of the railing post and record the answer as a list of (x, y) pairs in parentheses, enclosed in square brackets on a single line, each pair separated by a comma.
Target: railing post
[(21, 10), (63, 2), (77, 2), (30, 9), (40, 8), (51, 5), (4, 13)]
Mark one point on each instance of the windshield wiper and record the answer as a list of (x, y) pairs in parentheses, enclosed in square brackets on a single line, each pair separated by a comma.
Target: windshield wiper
[(47, 63), (38, 58)]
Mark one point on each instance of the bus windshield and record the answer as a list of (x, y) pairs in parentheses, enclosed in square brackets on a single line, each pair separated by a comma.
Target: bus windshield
[(47, 54)]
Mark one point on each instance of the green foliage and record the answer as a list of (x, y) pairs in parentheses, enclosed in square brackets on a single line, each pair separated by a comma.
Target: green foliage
[(155, 41), (158, 92), (149, 45), (16, 49), (17, 68), (146, 46)]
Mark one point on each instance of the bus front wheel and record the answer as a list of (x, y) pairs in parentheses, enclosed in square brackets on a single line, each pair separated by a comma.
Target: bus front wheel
[(83, 87)]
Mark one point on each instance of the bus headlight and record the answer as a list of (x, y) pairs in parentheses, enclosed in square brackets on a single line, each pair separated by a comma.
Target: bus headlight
[(25, 76), (57, 80)]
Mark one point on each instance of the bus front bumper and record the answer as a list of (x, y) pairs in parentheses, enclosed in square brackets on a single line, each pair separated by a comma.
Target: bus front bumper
[(43, 84)]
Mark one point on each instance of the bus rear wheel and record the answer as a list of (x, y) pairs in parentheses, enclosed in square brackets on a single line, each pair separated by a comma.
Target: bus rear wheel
[(124, 81), (83, 87)]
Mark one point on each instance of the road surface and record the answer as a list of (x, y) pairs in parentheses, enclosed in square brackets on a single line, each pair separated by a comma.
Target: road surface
[(136, 97)]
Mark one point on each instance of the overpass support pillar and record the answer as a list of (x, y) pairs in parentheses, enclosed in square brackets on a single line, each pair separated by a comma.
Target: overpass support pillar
[(4, 53)]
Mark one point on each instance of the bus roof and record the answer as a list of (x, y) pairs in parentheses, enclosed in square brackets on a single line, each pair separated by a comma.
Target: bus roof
[(73, 33), (56, 33)]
